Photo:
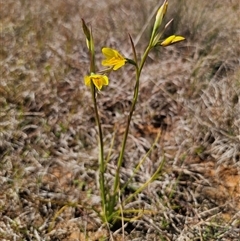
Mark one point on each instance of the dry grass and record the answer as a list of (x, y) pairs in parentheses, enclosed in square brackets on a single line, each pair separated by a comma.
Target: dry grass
[(48, 138)]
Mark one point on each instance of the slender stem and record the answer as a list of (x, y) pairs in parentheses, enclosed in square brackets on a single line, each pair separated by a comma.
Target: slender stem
[(101, 150), (135, 98), (100, 135), (143, 60)]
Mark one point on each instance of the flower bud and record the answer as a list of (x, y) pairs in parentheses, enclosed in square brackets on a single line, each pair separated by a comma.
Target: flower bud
[(160, 15), (171, 40)]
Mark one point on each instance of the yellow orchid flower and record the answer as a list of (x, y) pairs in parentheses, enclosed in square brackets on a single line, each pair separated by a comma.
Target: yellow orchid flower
[(113, 58), (97, 79), (172, 40)]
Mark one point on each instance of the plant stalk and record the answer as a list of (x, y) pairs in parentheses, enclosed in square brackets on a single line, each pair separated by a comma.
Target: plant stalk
[(135, 98), (100, 135)]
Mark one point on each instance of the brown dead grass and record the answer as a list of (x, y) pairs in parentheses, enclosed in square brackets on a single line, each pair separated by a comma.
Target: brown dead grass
[(48, 138)]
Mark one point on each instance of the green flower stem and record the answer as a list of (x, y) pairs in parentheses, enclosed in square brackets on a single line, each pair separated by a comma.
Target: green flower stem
[(100, 135), (101, 150), (135, 98)]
